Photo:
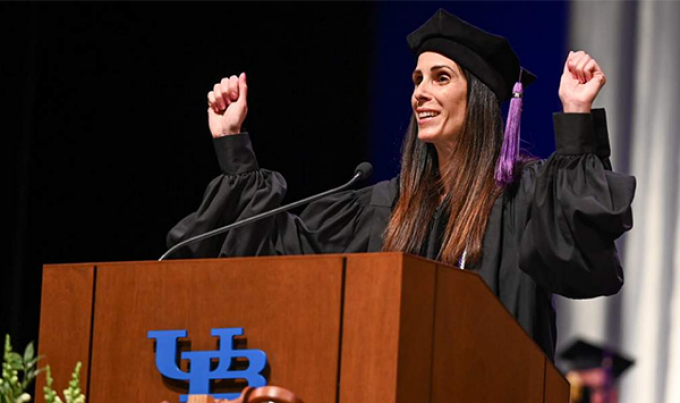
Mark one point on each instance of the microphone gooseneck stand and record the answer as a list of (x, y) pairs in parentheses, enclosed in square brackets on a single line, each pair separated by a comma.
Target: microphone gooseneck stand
[(362, 171)]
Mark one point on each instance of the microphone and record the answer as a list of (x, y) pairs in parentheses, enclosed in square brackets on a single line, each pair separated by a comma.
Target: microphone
[(361, 172), (364, 170)]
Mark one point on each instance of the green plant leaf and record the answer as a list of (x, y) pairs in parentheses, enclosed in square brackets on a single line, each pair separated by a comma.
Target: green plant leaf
[(29, 352), (12, 356)]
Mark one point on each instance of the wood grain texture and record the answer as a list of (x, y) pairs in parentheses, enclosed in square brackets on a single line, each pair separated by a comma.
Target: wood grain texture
[(414, 377), (289, 307), (370, 330), (387, 329), (65, 322), (481, 354)]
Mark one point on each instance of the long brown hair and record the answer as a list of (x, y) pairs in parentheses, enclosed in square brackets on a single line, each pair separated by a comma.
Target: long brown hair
[(469, 180)]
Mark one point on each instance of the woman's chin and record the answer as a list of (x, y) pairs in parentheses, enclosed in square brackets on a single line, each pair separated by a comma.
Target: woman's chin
[(427, 137)]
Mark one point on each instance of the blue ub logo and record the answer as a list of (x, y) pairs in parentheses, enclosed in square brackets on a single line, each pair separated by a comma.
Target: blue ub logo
[(200, 372)]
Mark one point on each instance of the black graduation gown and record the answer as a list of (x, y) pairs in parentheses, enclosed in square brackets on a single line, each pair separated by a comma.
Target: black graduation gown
[(553, 232)]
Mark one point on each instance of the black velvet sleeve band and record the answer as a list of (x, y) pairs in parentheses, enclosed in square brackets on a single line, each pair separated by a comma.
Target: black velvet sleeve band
[(235, 154), (601, 133), (574, 133)]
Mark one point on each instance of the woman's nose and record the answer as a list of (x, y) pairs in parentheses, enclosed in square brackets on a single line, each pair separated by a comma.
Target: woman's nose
[(421, 93)]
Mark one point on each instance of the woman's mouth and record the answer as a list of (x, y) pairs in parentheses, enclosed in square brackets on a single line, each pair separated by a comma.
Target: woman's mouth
[(424, 116)]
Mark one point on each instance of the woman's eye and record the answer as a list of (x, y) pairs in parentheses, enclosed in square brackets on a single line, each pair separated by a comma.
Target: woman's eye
[(443, 78)]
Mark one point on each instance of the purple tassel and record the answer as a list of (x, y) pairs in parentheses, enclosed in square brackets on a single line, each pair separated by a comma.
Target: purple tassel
[(510, 151)]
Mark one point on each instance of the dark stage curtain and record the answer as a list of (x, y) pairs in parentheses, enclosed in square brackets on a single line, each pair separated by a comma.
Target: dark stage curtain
[(105, 120)]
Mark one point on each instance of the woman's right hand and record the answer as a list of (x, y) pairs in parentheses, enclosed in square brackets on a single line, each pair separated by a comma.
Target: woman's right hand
[(227, 106)]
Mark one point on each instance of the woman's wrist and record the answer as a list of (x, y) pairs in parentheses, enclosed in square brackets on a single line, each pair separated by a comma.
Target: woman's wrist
[(575, 107), (227, 132)]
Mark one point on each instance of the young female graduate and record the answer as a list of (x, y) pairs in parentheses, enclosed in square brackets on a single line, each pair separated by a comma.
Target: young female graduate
[(464, 196)]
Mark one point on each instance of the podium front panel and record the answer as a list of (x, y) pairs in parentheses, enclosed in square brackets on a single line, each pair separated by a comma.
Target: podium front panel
[(301, 344)]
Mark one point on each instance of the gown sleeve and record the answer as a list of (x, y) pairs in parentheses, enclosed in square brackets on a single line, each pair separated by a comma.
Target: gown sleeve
[(577, 207), (330, 225)]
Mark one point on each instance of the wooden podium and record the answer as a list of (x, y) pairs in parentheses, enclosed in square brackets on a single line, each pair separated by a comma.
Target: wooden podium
[(353, 328)]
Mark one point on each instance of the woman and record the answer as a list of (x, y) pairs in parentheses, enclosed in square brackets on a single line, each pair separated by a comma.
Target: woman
[(528, 228)]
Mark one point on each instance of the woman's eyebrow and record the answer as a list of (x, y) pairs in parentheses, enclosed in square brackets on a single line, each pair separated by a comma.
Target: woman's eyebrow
[(433, 68), (442, 66), (417, 72)]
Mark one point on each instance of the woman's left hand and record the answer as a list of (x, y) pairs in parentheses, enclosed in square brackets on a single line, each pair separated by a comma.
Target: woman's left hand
[(581, 81)]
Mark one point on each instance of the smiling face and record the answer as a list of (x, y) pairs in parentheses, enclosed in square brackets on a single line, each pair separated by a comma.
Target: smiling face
[(439, 99)]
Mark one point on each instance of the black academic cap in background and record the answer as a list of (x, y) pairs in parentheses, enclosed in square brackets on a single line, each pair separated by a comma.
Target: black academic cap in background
[(489, 57), (581, 355)]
